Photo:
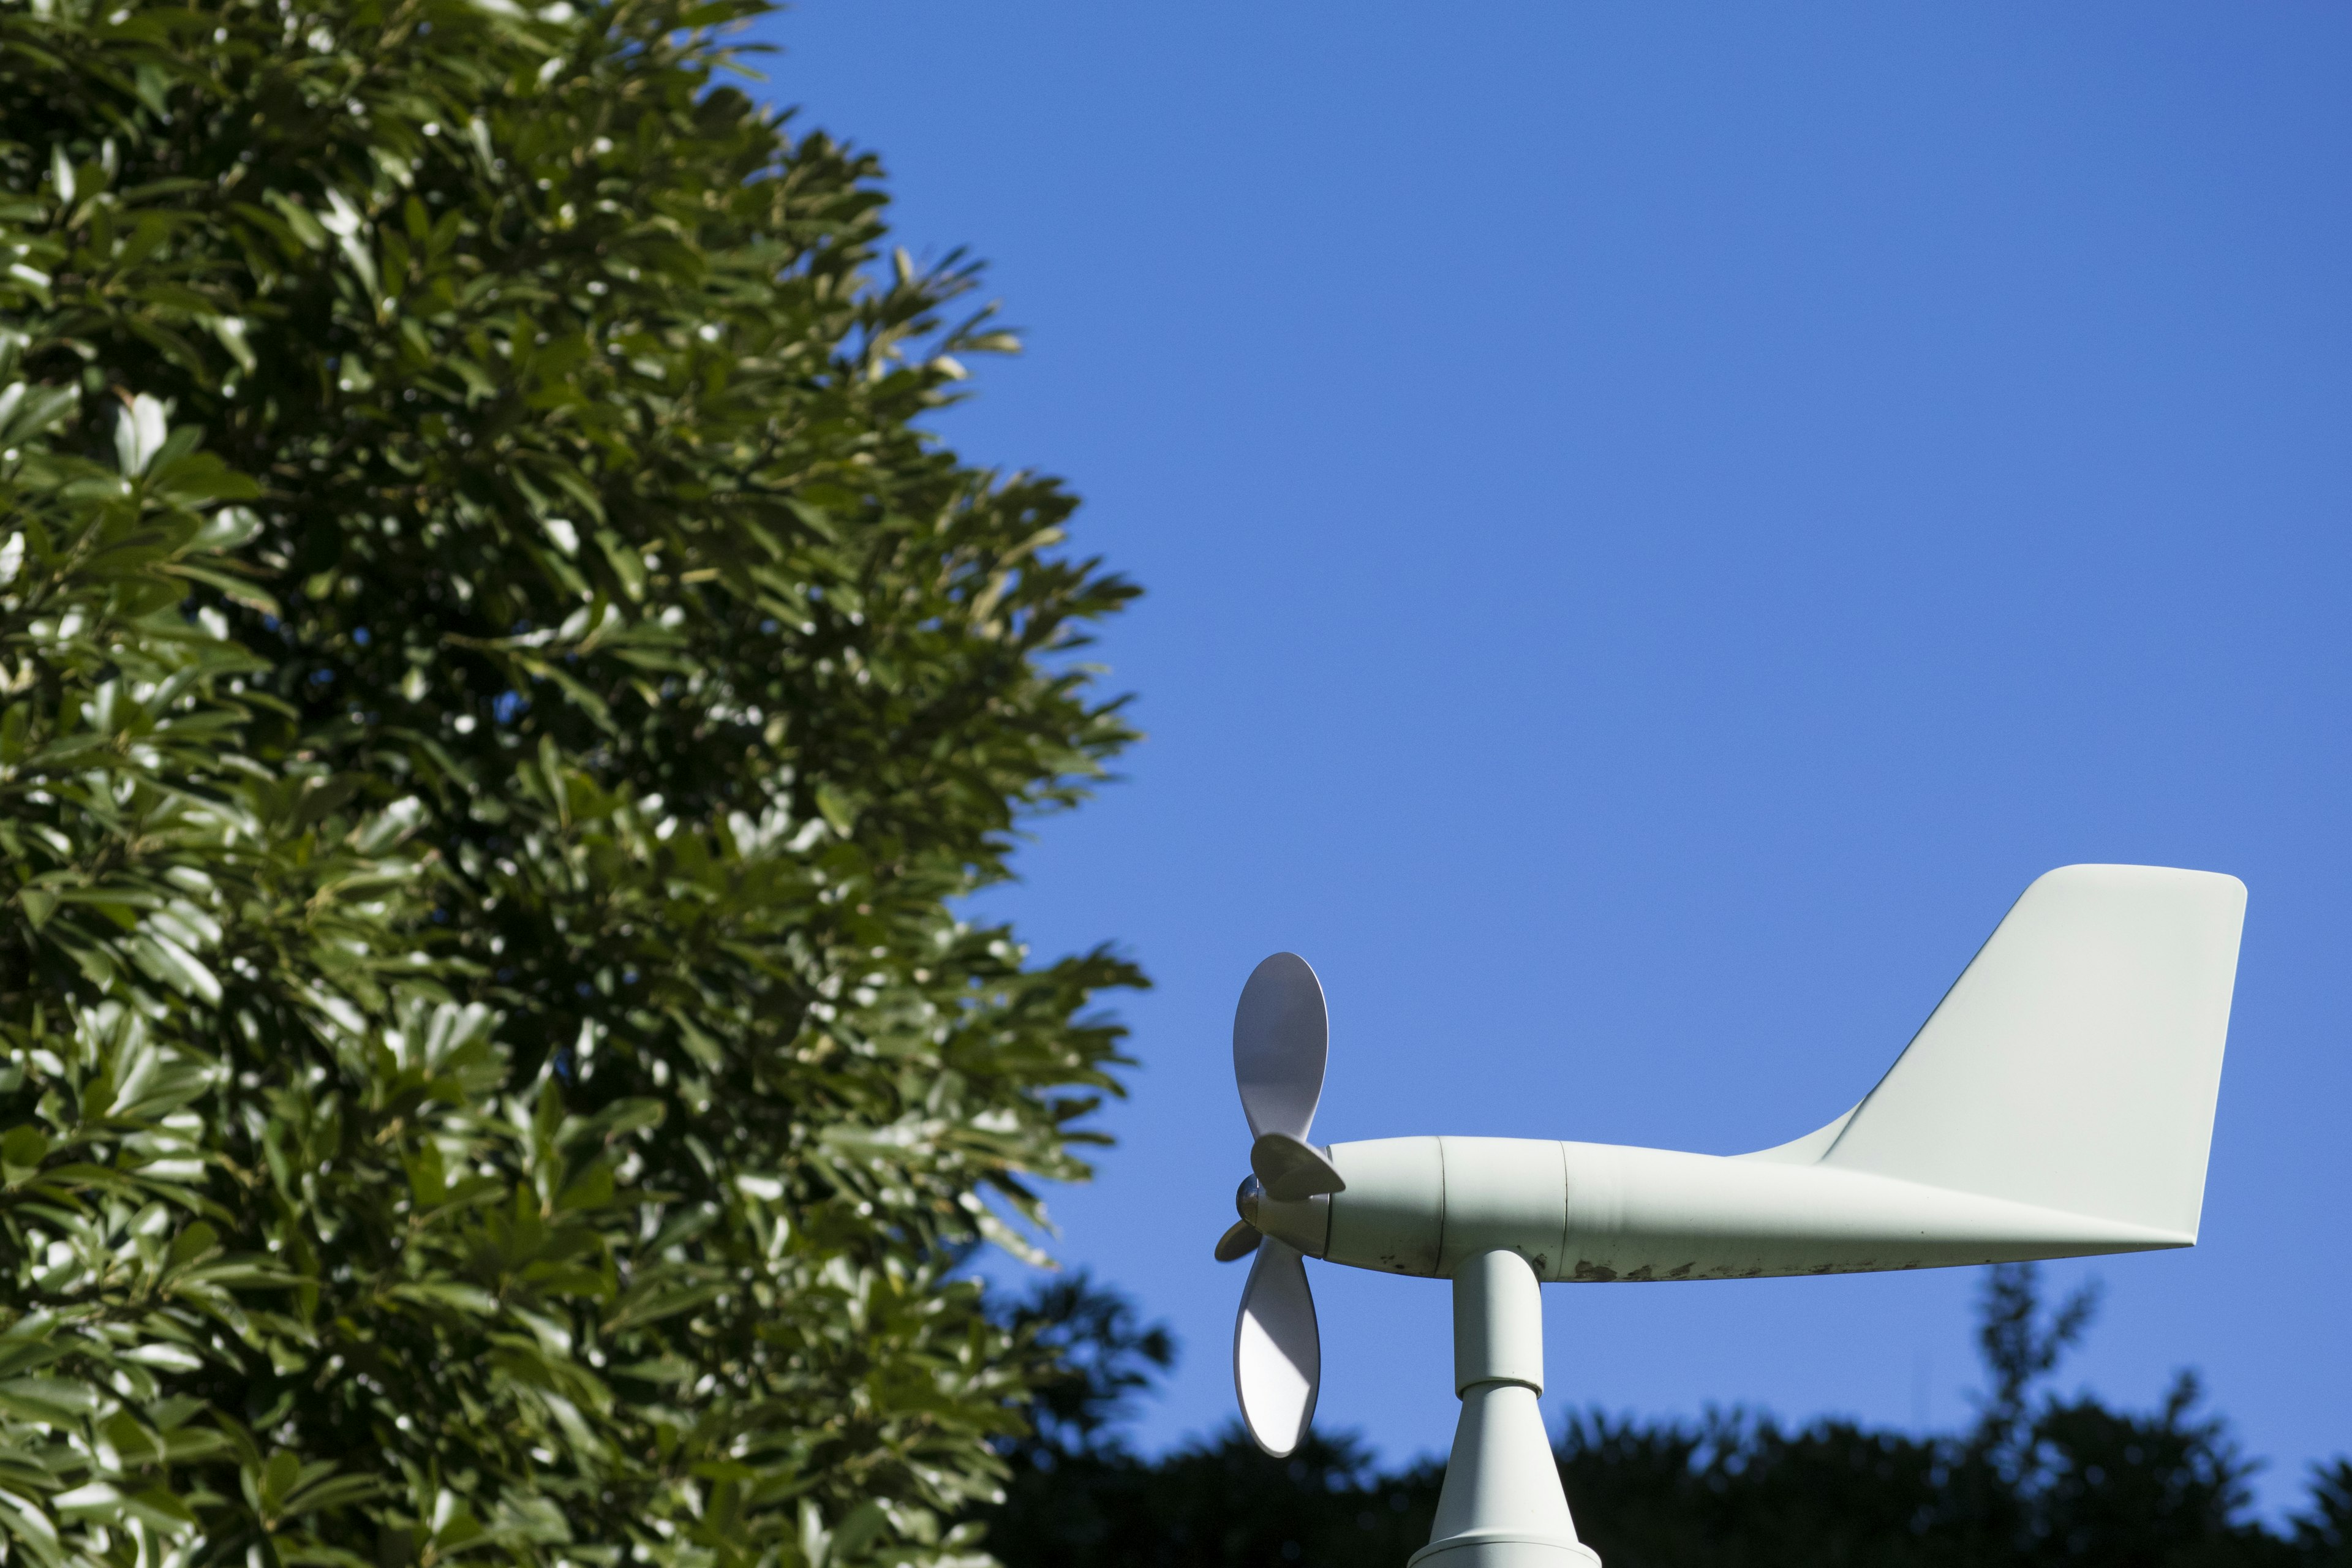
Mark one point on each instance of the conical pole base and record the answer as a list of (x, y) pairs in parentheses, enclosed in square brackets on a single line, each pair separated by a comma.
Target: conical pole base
[(1502, 1506)]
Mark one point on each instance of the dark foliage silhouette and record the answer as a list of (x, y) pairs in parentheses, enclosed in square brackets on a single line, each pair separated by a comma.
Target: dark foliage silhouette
[(2035, 1480)]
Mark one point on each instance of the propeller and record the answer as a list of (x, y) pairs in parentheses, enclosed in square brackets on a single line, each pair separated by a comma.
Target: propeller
[(1281, 1039)]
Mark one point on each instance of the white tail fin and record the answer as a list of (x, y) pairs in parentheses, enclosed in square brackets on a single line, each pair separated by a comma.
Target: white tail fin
[(2075, 1063)]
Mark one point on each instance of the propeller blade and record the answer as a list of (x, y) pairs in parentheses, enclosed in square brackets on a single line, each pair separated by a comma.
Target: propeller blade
[(1239, 1241), (1291, 1169), (1278, 1353), (1281, 1036)]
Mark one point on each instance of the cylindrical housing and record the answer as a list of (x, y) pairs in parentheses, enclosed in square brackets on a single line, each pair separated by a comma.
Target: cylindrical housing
[(1502, 1506), (1498, 1323), (1597, 1212)]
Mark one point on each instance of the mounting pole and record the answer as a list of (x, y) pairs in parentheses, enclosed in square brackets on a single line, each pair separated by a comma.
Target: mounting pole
[(1502, 1506)]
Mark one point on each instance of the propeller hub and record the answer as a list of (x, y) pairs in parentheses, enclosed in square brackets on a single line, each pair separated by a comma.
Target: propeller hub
[(1245, 1200)]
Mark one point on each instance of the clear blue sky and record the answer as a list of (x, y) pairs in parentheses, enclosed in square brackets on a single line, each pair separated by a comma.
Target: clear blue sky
[(1659, 523)]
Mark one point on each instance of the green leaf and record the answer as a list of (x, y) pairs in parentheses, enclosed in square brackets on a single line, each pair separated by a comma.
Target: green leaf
[(22, 1150), (467, 1299), (835, 808), (47, 1399)]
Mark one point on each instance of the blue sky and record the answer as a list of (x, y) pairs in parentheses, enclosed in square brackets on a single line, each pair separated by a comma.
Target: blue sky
[(1658, 524)]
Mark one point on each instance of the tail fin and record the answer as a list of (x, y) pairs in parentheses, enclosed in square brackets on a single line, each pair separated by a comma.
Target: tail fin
[(2075, 1063)]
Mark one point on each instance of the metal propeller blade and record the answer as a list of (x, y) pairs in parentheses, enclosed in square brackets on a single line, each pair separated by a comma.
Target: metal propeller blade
[(1281, 1037), (1292, 1169), (1277, 1352)]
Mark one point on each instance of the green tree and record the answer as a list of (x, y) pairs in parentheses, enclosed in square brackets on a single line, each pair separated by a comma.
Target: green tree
[(503, 698), (2324, 1529)]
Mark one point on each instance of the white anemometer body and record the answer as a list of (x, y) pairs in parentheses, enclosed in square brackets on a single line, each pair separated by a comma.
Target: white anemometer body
[(2058, 1102)]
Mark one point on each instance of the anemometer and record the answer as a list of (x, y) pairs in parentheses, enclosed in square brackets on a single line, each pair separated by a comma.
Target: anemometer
[(2057, 1103)]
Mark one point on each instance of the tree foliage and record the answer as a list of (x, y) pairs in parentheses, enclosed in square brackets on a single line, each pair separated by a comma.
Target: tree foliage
[(501, 701), (2036, 1481)]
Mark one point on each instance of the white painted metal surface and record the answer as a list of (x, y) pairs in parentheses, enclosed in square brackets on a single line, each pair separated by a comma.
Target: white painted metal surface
[(1281, 1035), (2075, 1065), (1498, 1323), (1502, 1506), (1594, 1213), (2058, 1102), (1277, 1350)]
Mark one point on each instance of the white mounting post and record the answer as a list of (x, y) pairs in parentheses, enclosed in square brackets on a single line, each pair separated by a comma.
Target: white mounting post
[(1502, 1506)]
